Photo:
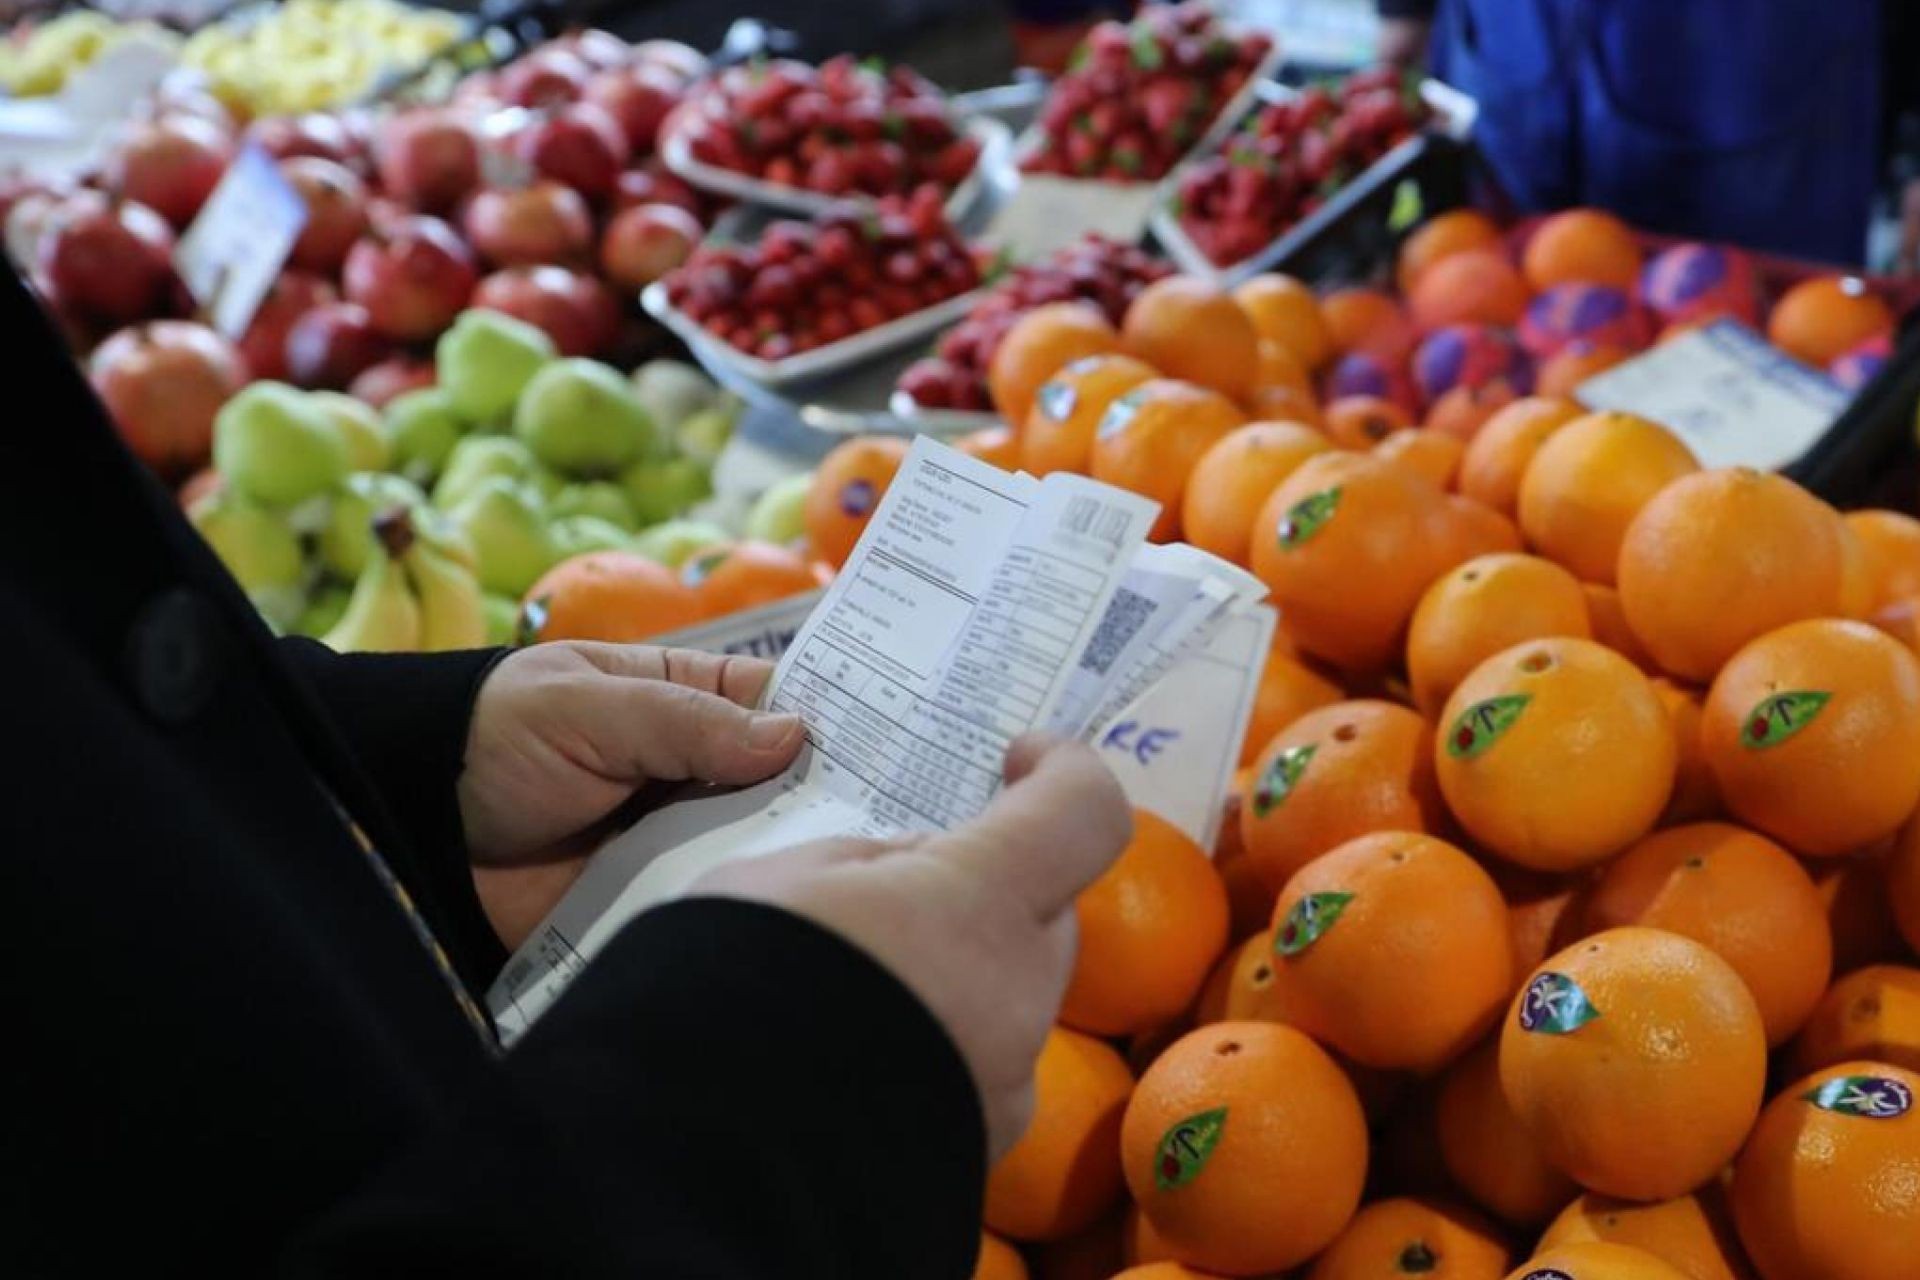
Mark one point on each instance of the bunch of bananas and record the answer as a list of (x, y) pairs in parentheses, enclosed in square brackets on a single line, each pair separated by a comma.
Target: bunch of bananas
[(37, 63), (417, 592), (309, 55)]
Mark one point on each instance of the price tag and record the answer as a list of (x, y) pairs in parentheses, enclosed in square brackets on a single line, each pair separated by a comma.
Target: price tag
[(1736, 399), (234, 250), (1048, 213)]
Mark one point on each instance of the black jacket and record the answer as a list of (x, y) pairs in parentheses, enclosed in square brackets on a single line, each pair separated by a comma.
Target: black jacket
[(226, 1052)]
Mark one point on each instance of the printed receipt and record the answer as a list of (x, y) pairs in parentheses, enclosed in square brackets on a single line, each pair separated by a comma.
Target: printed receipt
[(956, 625)]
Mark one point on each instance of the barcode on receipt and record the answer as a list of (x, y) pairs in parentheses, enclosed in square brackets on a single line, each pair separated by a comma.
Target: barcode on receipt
[(1126, 613), (1092, 518)]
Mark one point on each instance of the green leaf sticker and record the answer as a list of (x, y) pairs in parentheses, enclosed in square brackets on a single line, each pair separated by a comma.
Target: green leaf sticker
[(1186, 1148), (1780, 716), (533, 620), (1305, 517), (1407, 206), (1481, 724), (1554, 1005), (1310, 917), (1279, 779), (1546, 1273), (1871, 1097), (1120, 413)]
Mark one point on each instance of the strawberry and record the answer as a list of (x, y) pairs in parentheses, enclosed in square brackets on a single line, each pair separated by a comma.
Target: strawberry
[(1166, 101), (830, 173)]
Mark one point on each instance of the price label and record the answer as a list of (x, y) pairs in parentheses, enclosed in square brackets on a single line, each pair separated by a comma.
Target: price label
[(234, 250), (1048, 213), (1736, 399)]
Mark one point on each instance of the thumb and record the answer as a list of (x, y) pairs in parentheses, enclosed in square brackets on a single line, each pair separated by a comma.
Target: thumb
[(652, 730)]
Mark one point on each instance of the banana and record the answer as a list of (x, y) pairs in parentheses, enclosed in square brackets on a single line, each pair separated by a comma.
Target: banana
[(382, 615), (451, 613)]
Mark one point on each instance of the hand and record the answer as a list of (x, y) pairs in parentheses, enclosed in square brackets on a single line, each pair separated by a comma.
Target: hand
[(978, 922), (564, 733), (1403, 41)]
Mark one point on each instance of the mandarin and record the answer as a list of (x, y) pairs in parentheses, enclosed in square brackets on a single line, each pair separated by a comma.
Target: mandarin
[(1859, 910), (1821, 319), (1693, 1232), (1903, 882), (1415, 1237), (1499, 452), (1475, 610), (746, 575), (1433, 455), (998, 1260), (1285, 313), (1596, 1260), (1289, 688), (1611, 629), (1150, 438), (1582, 246), (847, 486), (1191, 329), (995, 446), (1488, 1151), (1588, 481), (1891, 543), (1067, 408), (614, 596), (1695, 794), (1040, 344), (1362, 422), (1475, 286), (1442, 236), (1462, 411), (1561, 373), (1065, 1170), (1233, 480), (1370, 321), (1871, 1013)]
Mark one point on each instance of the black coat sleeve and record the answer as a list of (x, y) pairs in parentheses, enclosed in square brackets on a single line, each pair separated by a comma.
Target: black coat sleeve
[(727, 1092)]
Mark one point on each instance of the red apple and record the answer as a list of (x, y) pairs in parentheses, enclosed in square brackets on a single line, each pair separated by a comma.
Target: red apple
[(546, 77), (650, 184), (413, 277), (683, 60), (171, 165), (645, 242), (107, 261), (579, 145), (601, 50), (545, 222), (427, 158), (336, 212), (576, 311), (638, 98), (264, 344), (162, 383), (314, 134), (333, 344), (382, 382)]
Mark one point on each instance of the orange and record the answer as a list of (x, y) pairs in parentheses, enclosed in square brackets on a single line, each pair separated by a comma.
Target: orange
[(1610, 626), (1468, 529), (847, 486), (1249, 896), (1442, 236), (1408, 1237), (1362, 422), (1487, 604), (1368, 320), (1247, 987), (1288, 690), (1476, 286), (1582, 246), (1434, 455), (1279, 403), (1857, 582), (1499, 452), (1139, 1242), (1637, 1061), (998, 1260), (1335, 774), (1281, 370), (1067, 408), (1692, 1232), (1695, 794), (746, 575), (995, 446), (1541, 914), (1859, 915), (1903, 883), (1188, 328), (1872, 1013), (614, 596), (1346, 545), (1065, 1170), (1596, 1260), (1488, 1151), (1285, 313), (1224, 1132), (1161, 1271), (1462, 411), (1234, 478), (1150, 929), (1827, 1188), (1151, 437), (1394, 950), (1813, 733), (1822, 319), (1589, 480), (1561, 373), (1555, 754), (1040, 344), (1738, 893), (1719, 557), (1891, 543), (1901, 620), (1093, 1254)]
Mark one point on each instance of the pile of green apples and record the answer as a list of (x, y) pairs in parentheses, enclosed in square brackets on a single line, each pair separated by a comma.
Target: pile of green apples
[(421, 526)]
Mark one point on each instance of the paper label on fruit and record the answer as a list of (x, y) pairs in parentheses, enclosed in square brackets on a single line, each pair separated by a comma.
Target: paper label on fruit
[(766, 632), (1780, 716), (1868, 1097), (1047, 213), (1554, 1005), (1736, 399), (1186, 1147), (233, 252)]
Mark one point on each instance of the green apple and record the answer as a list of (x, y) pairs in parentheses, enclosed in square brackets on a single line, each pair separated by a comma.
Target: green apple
[(359, 425), (582, 418), (703, 435), (574, 535), (503, 618), (479, 458), (274, 444), (258, 547), (329, 603), (422, 428), (662, 490), (673, 391), (346, 540), (779, 513), (678, 541), (600, 498), (548, 481), (508, 529), (486, 360)]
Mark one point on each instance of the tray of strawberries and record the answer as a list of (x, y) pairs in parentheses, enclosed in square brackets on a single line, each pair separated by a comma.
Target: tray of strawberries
[(801, 138), (810, 299), (1278, 175), (1138, 97)]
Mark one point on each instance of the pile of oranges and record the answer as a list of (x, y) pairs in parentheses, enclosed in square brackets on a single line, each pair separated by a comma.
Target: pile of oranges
[(1565, 916)]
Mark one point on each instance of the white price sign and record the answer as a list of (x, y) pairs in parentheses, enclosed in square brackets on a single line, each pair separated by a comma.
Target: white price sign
[(1048, 213), (234, 250)]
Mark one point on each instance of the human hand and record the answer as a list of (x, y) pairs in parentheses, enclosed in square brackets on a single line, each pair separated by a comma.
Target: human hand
[(978, 922), (564, 733), (1403, 41)]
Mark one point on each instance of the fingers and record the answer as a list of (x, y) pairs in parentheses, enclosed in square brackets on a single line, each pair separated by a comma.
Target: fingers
[(649, 728), (1058, 824), (737, 679)]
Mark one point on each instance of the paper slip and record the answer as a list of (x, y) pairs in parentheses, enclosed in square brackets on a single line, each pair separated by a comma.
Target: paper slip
[(967, 611), (1047, 212), (1730, 394), (765, 632), (235, 248)]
